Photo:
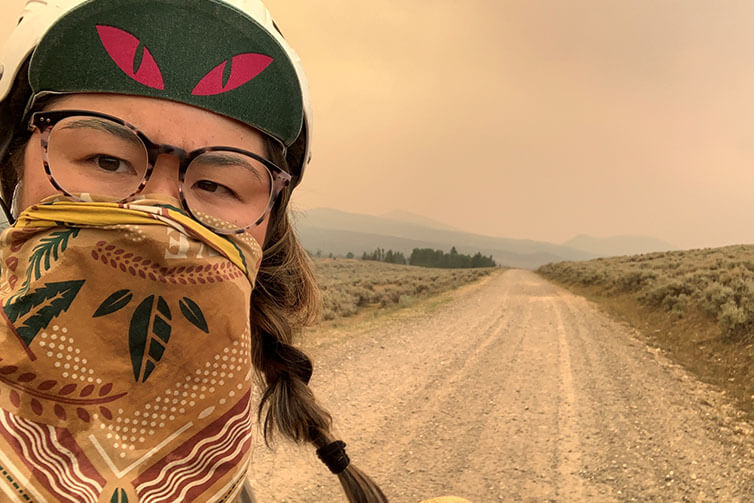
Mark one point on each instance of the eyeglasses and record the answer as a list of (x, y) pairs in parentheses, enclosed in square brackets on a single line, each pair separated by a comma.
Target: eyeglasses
[(89, 154)]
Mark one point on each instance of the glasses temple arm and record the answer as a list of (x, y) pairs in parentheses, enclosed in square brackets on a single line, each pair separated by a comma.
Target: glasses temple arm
[(8, 216)]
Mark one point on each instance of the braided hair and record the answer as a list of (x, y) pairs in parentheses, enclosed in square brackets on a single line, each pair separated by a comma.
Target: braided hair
[(284, 300)]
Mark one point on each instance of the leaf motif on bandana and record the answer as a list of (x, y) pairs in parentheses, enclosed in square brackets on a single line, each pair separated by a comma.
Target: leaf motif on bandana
[(193, 313), (114, 302), (34, 311), (148, 335), (48, 249), (119, 496)]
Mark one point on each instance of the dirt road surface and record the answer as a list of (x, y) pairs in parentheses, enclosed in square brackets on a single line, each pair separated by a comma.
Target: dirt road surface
[(515, 390)]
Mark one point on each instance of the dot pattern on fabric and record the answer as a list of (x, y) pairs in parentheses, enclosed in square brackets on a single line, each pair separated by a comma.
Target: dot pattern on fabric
[(214, 221), (209, 385), (61, 346), (248, 239), (133, 232), (217, 223)]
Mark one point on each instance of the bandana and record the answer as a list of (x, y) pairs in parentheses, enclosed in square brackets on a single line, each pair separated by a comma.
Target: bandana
[(125, 370), (199, 52)]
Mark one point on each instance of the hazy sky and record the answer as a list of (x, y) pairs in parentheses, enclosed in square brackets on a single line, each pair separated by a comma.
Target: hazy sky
[(531, 119)]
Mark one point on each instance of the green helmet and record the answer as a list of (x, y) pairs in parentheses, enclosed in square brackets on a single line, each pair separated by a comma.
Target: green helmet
[(226, 56)]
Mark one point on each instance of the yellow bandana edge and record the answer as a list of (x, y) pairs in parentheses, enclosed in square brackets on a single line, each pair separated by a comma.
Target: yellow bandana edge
[(102, 214)]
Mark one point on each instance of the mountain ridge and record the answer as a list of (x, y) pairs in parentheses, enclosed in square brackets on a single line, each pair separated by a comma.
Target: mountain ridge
[(622, 244), (328, 230)]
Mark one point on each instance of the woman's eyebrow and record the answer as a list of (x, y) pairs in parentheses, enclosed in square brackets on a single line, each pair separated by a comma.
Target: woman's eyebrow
[(228, 159), (105, 126)]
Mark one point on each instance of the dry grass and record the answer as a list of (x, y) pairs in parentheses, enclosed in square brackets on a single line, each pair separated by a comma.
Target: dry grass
[(349, 286), (698, 305)]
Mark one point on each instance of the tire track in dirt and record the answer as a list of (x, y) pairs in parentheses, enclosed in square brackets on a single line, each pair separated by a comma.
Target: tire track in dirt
[(459, 420), (571, 487), (496, 446), (421, 444), (657, 434), (514, 391)]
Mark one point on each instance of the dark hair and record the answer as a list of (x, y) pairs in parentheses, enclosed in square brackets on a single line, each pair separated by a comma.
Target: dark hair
[(13, 132), (284, 300)]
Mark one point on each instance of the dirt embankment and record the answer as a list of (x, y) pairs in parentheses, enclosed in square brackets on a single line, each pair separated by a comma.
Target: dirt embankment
[(514, 390)]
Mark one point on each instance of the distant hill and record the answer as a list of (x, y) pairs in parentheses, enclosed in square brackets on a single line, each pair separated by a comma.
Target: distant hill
[(618, 245), (405, 216), (339, 232)]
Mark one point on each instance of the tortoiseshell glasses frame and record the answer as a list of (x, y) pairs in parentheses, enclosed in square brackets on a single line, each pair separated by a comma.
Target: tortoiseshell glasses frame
[(45, 122)]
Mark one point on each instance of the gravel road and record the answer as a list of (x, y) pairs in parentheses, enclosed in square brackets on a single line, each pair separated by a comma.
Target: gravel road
[(514, 390)]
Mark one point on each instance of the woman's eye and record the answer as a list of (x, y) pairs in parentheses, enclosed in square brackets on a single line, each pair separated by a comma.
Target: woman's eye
[(111, 164), (214, 187)]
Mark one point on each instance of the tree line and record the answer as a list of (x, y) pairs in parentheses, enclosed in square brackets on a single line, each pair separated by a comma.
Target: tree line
[(380, 255), (427, 257)]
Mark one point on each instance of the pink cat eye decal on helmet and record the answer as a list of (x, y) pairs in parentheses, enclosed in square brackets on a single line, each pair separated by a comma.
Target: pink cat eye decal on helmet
[(244, 67), (122, 47)]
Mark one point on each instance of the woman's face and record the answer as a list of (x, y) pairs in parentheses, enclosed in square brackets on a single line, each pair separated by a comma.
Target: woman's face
[(162, 121)]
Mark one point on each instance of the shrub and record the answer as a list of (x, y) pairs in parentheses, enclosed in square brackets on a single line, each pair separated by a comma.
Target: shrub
[(733, 320), (350, 285), (634, 280), (718, 282), (666, 294), (713, 298)]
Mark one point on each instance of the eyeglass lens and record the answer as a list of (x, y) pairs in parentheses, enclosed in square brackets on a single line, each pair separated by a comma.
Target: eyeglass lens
[(99, 157)]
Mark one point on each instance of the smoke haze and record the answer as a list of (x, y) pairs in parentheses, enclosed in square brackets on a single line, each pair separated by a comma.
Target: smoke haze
[(531, 118)]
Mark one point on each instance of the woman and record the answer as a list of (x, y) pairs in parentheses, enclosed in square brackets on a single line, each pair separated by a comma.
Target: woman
[(148, 151)]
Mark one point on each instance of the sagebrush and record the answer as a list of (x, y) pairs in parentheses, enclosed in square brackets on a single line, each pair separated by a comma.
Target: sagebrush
[(717, 281), (349, 285)]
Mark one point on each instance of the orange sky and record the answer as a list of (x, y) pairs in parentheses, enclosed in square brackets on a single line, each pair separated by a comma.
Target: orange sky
[(533, 119)]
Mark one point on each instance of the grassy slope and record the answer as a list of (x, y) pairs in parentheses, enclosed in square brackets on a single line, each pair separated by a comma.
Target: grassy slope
[(350, 286), (698, 305)]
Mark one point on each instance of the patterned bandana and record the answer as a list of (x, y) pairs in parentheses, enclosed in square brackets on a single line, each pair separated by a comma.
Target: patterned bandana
[(125, 372)]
